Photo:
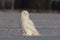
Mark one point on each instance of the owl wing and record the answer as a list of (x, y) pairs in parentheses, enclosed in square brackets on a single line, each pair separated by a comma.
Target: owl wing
[(30, 22), (32, 27)]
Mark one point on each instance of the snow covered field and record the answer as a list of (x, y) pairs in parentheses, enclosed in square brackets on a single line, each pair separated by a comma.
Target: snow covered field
[(47, 24)]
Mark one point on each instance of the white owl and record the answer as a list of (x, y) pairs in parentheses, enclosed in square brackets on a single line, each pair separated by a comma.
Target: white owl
[(27, 25)]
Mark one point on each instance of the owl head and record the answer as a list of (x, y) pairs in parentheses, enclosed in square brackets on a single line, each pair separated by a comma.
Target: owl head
[(24, 13)]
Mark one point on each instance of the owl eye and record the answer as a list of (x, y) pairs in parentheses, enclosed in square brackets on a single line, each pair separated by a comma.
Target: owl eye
[(24, 13)]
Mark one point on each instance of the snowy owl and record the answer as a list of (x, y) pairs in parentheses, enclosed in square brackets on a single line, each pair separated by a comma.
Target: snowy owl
[(27, 25)]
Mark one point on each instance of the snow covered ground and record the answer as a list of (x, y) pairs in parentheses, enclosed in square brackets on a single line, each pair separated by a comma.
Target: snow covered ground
[(47, 24)]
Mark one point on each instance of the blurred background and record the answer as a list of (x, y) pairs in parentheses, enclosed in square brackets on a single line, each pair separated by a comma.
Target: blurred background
[(31, 5)]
